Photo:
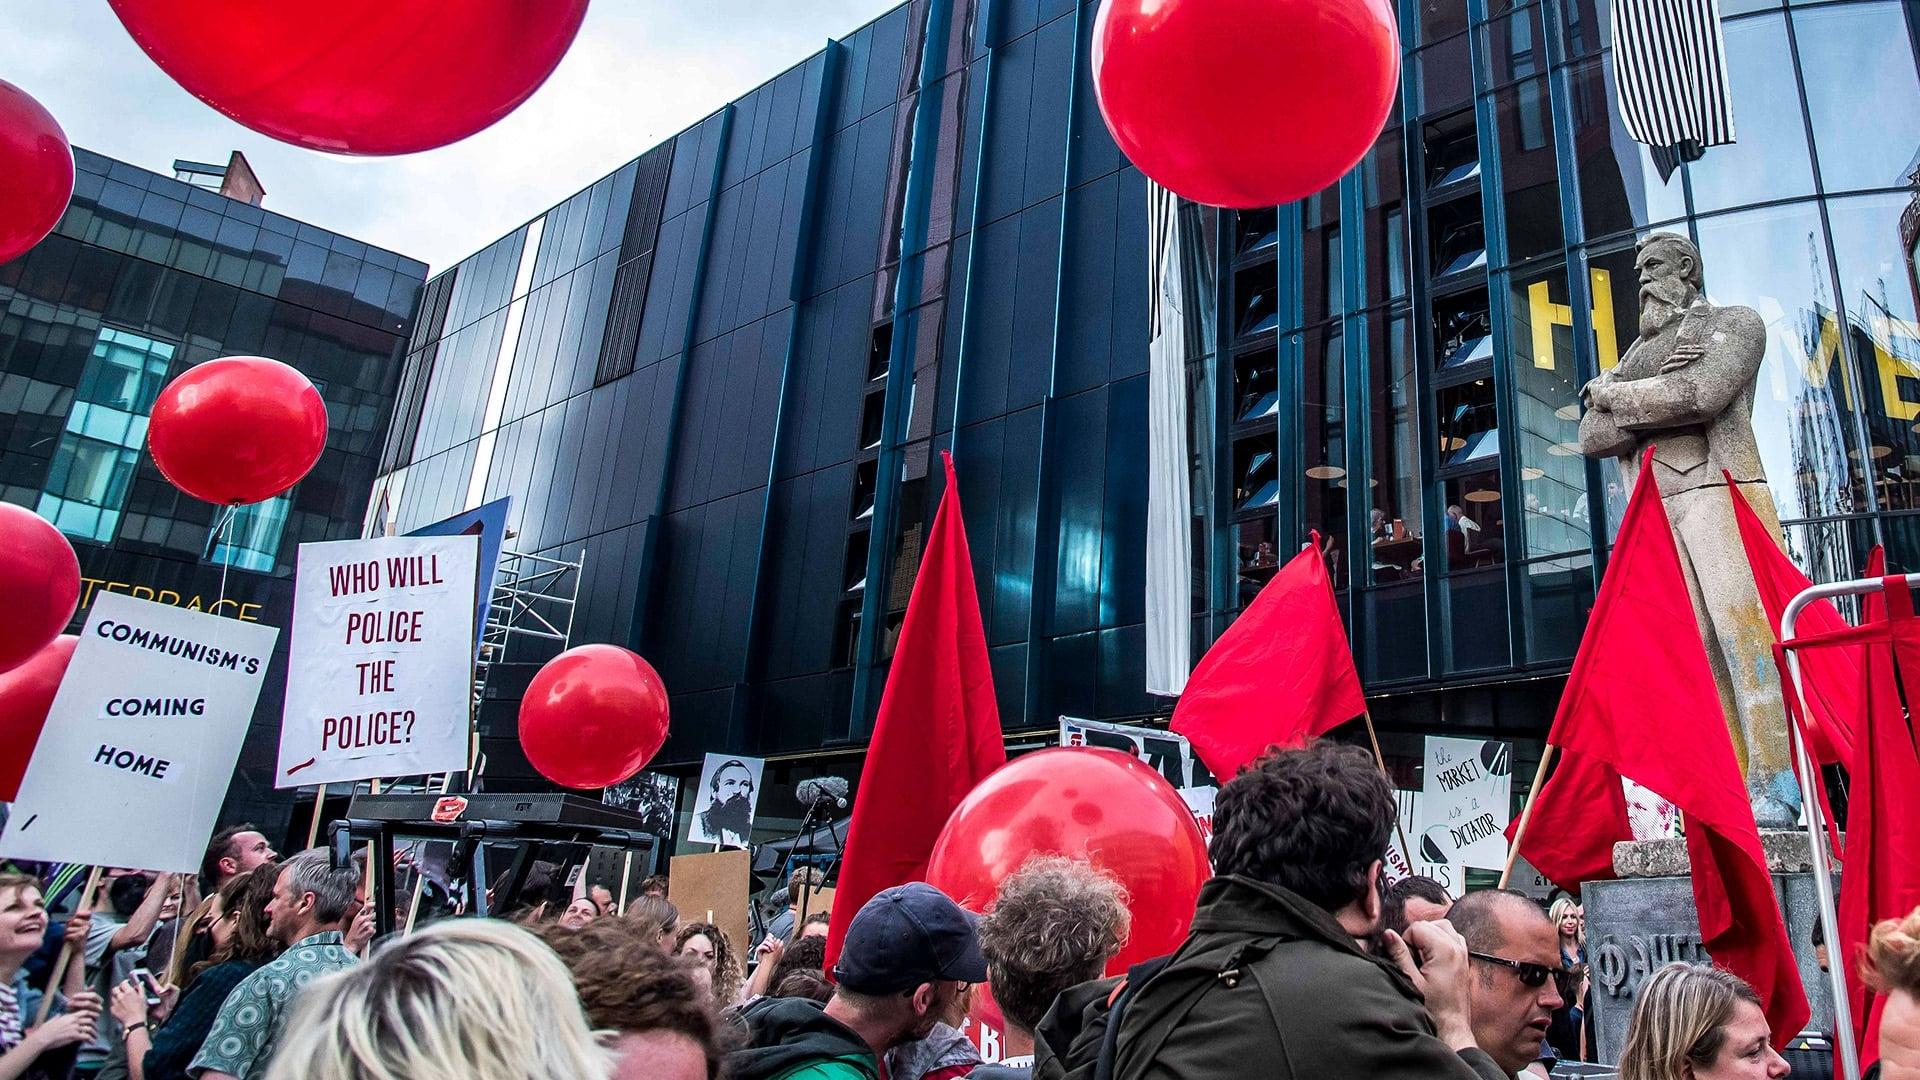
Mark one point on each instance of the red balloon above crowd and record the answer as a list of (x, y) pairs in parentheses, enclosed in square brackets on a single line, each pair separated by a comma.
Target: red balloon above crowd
[(593, 716), (237, 430), (1245, 103), (1101, 805), (358, 76), (36, 172), (39, 584)]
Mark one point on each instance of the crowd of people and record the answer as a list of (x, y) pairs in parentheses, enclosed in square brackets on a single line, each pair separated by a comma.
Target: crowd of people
[(1301, 962)]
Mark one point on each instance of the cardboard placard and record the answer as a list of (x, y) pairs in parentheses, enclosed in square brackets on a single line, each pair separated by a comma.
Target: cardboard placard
[(1467, 802), (380, 666), (141, 740), (713, 888)]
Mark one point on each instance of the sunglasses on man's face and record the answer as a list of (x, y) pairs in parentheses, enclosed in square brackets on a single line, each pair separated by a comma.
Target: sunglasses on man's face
[(1532, 976)]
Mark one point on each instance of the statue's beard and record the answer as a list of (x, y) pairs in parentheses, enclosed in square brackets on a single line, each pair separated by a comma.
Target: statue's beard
[(1662, 301)]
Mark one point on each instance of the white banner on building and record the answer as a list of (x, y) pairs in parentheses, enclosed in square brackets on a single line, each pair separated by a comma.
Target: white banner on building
[(1467, 801), (1169, 469), (380, 671), (141, 740)]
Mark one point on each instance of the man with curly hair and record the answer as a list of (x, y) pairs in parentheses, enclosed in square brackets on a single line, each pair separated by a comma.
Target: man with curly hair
[(1054, 924)]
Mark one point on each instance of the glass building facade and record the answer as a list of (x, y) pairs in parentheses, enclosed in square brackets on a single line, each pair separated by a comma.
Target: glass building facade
[(721, 375), (144, 277)]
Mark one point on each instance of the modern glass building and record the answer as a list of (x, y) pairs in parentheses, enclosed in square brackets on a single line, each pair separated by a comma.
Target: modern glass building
[(146, 276), (722, 374)]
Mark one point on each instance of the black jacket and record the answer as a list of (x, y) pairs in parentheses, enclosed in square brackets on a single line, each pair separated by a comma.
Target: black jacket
[(785, 1034), (1269, 984)]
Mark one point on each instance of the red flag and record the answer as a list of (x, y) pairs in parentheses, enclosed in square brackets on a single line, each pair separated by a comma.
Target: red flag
[(1829, 678), (1641, 701), (1282, 673), (938, 730), (1575, 821), (1881, 878)]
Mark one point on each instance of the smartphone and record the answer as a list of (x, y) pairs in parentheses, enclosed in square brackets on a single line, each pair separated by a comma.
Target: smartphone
[(148, 986)]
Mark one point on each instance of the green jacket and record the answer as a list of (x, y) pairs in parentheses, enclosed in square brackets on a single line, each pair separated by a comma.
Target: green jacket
[(1269, 985), (792, 1039)]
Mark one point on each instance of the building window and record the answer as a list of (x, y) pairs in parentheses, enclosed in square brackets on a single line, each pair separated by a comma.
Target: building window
[(100, 448), (252, 542)]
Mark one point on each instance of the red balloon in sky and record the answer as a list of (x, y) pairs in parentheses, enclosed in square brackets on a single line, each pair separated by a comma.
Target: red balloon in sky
[(36, 172), (1100, 805), (1245, 103), (39, 583), (237, 430), (26, 693), (593, 716), (358, 76)]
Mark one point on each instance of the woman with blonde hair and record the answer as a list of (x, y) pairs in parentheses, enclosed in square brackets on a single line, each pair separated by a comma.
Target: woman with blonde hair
[(1892, 968), (1692, 1022), (463, 998)]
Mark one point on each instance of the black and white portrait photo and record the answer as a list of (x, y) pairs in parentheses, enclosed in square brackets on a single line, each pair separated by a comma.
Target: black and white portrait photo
[(723, 806), (652, 796)]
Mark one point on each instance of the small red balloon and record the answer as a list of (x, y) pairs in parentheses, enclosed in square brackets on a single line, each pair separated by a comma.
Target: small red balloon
[(1245, 103), (36, 172), (39, 584), (593, 716), (1100, 805), (358, 76), (26, 693), (237, 430)]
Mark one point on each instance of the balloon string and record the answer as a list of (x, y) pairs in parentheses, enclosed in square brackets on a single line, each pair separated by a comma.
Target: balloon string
[(225, 538)]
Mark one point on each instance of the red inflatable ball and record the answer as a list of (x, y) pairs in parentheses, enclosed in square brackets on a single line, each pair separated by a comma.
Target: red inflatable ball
[(36, 172), (39, 584), (593, 716), (237, 430), (1245, 103), (26, 693), (1100, 805), (358, 76)]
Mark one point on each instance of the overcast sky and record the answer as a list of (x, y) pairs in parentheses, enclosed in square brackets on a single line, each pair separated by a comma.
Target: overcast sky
[(639, 71)]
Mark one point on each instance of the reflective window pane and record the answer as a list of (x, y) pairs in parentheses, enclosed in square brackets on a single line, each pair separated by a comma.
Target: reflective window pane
[(1620, 189), (1321, 266), (1383, 190), (1323, 419), (1515, 46), (1441, 18), (1772, 260), (1553, 474), (1393, 435), (252, 540), (1770, 159), (1876, 289), (1529, 173), (1474, 522), (1866, 123), (94, 463), (1446, 75)]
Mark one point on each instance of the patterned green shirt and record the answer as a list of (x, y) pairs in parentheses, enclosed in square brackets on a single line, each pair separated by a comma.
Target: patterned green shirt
[(250, 1021)]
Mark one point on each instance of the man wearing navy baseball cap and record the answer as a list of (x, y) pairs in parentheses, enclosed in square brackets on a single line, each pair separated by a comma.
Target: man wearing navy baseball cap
[(909, 953)]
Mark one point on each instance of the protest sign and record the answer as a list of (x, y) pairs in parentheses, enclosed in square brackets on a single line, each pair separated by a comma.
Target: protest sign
[(1401, 864), (713, 887), (1467, 800), (141, 740), (380, 671), (1166, 752), (724, 804), (651, 795)]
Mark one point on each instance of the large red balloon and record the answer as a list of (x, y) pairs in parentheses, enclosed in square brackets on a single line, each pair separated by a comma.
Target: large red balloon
[(26, 693), (237, 430), (39, 584), (1245, 103), (1101, 805), (593, 716), (36, 172), (358, 76)]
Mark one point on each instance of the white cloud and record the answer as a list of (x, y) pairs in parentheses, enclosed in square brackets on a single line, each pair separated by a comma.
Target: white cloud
[(639, 71)]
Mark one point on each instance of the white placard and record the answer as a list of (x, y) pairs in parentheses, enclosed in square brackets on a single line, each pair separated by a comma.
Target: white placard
[(1467, 800), (141, 740), (1399, 864), (723, 808), (380, 667)]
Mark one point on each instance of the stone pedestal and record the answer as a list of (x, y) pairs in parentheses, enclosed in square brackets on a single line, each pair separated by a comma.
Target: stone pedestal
[(1647, 919)]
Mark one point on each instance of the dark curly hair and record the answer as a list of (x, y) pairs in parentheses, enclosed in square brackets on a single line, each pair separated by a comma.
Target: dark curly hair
[(627, 984), (1312, 821), (806, 954)]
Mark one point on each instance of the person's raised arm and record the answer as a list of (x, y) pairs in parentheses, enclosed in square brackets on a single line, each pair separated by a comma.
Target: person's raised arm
[(139, 927)]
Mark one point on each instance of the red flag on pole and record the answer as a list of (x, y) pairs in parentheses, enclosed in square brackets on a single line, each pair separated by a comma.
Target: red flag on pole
[(1829, 678), (1282, 673), (1641, 703), (938, 730)]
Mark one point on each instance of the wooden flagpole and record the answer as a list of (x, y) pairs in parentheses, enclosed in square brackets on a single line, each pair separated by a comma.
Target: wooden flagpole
[(626, 875), (58, 977), (313, 827), (1381, 759), (1526, 812)]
